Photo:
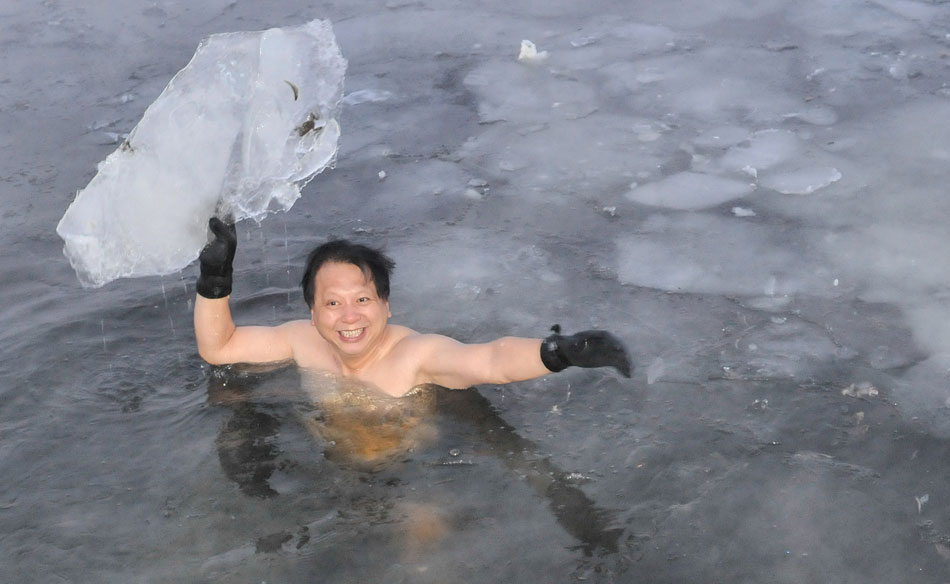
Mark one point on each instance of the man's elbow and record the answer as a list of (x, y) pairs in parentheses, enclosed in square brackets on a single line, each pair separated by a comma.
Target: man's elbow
[(213, 357)]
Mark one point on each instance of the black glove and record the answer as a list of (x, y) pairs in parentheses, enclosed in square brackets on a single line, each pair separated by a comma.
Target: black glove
[(585, 349), (216, 259)]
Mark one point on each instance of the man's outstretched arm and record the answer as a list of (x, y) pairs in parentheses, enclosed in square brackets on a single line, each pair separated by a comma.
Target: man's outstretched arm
[(450, 363), (219, 340)]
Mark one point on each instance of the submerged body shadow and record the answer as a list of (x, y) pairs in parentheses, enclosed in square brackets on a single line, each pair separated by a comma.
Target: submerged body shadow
[(367, 440)]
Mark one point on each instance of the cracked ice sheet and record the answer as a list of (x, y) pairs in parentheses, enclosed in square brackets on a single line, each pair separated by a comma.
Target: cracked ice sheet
[(779, 160), (709, 254), (711, 85), (519, 93), (571, 158), (802, 181), (690, 190), (765, 149), (485, 269), (896, 239)]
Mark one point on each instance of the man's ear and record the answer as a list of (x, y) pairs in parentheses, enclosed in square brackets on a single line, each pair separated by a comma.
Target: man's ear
[(388, 312), (313, 318)]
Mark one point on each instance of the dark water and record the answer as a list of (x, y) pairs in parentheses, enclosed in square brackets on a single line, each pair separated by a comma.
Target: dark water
[(732, 455)]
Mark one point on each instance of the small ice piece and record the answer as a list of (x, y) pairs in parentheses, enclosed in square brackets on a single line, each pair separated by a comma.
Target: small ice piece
[(801, 182), (122, 99), (722, 137), (860, 390), (769, 303), (898, 71), (743, 212), (381, 174), (236, 132), (367, 96), (577, 477), (920, 502), (646, 133), (229, 559), (779, 46), (529, 53), (819, 116), (689, 191), (764, 150), (583, 41), (100, 125), (656, 370), (114, 137)]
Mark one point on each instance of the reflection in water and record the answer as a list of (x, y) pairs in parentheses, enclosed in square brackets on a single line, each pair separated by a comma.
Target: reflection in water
[(573, 510), (368, 432), (246, 449), (246, 441)]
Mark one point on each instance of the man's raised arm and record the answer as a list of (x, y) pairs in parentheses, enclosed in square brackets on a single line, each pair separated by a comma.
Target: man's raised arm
[(219, 340)]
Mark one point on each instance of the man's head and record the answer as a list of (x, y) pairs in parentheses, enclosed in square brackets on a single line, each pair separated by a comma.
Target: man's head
[(372, 262)]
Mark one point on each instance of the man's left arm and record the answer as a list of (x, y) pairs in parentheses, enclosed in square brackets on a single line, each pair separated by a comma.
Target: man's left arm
[(447, 362)]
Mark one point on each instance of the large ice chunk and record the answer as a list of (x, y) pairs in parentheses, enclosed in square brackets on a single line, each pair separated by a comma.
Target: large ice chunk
[(236, 132)]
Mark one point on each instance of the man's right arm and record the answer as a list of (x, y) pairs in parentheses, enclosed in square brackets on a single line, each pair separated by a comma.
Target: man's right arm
[(219, 340)]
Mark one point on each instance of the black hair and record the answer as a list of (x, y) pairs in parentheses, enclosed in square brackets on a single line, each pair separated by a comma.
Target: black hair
[(373, 262)]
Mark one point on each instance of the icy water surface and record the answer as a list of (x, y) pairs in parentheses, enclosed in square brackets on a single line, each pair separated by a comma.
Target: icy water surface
[(751, 194)]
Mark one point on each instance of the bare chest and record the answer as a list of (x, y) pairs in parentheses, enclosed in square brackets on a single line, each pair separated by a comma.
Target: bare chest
[(392, 382), (392, 374)]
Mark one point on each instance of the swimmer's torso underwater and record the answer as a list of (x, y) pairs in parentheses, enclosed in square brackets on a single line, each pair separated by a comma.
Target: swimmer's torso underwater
[(366, 433)]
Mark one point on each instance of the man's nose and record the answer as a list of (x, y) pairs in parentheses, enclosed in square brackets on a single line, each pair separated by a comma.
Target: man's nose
[(350, 313)]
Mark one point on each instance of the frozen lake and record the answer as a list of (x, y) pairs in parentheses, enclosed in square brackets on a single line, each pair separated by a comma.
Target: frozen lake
[(751, 195)]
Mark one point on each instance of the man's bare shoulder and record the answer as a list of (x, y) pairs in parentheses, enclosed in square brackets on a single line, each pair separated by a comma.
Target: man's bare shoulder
[(418, 351), (310, 350), (407, 339), (295, 328), (411, 355)]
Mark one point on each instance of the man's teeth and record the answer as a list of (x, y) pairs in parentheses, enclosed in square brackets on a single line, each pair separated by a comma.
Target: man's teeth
[(352, 334)]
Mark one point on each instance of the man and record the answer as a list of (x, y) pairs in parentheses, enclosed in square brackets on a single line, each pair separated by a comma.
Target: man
[(346, 287)]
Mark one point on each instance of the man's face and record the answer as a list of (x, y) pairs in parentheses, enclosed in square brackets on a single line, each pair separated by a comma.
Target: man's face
[(347, 311)]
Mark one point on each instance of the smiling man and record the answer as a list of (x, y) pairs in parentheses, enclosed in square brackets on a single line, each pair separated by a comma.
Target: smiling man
[(346, 287)]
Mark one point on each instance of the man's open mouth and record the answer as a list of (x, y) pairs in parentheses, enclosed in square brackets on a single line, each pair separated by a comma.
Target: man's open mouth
[(352, 334)]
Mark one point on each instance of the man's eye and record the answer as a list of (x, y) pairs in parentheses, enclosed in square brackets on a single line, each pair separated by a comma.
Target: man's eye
[(332, 303), (364, 299)]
